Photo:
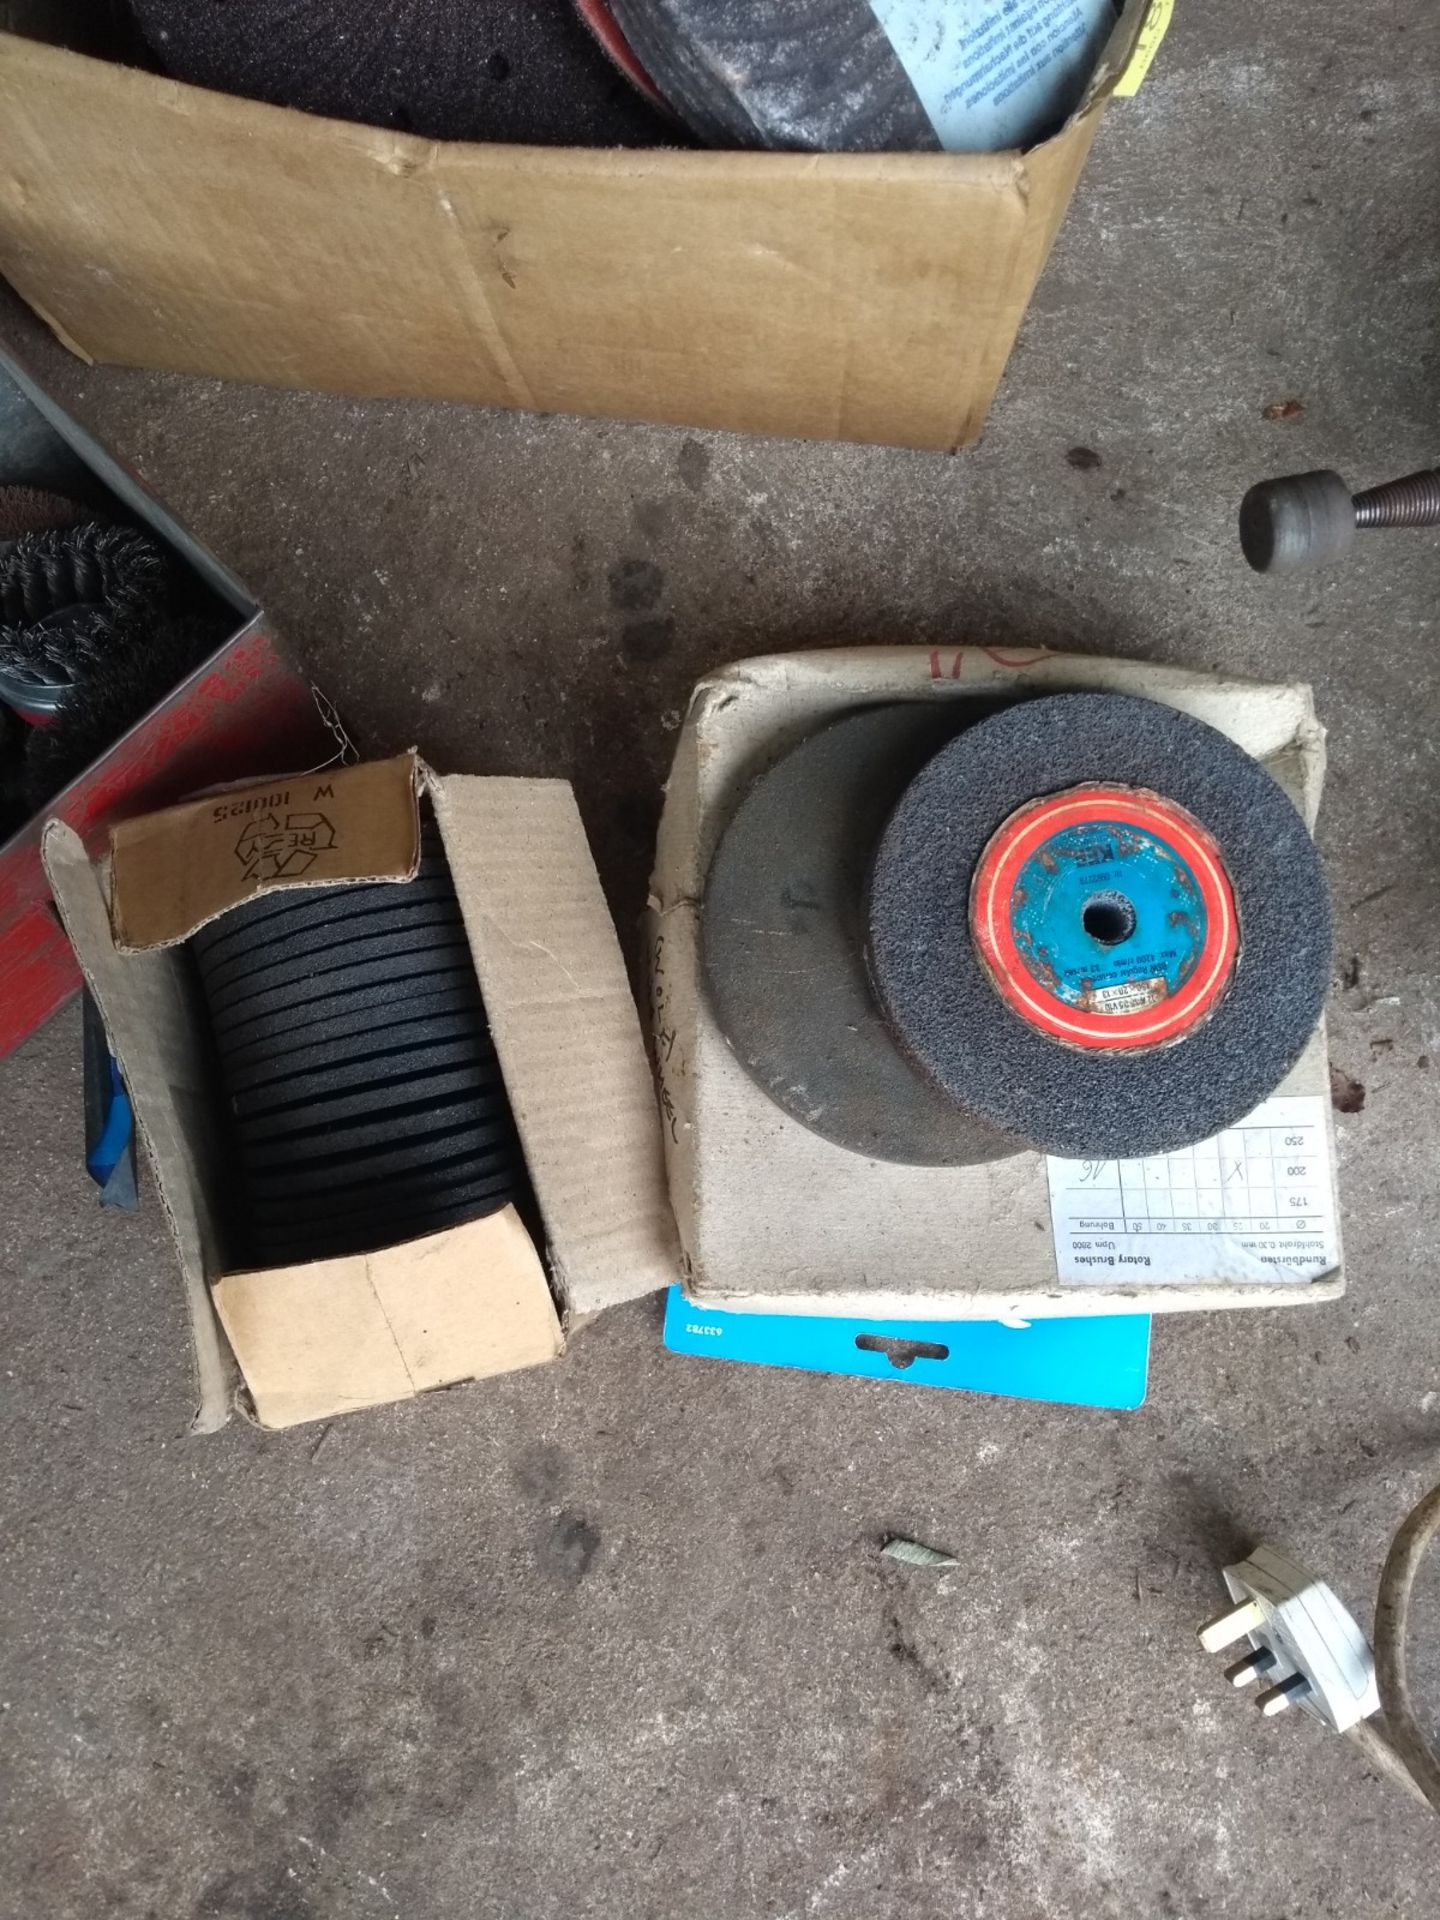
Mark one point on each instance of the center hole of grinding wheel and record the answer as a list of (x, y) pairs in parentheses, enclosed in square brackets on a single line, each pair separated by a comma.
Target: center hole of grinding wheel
[(1108, 918)]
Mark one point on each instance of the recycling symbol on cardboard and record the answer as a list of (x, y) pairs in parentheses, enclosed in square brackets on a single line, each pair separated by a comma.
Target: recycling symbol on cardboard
[(270, 848)]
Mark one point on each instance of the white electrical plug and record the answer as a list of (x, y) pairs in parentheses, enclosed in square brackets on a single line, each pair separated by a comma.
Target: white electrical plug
[(1303, 1642)]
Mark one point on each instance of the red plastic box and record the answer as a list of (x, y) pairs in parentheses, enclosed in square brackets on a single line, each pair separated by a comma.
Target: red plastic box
[(245, 712)]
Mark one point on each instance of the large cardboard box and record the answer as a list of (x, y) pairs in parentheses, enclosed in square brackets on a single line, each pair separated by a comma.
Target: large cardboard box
[(244, 710), (775, 1219), (868, 297), (328, 1336)]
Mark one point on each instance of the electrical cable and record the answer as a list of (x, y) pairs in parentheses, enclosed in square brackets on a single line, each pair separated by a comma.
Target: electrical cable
[(1403, 1738)]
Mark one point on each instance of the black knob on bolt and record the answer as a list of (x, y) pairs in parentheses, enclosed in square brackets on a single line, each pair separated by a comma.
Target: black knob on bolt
[(1307, 518)]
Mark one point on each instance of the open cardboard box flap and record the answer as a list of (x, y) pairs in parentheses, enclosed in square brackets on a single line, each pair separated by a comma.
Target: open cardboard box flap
[(175, 870), (858, 296), (332, 1335)]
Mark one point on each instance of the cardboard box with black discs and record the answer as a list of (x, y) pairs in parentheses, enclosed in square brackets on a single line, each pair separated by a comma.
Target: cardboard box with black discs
[(320, 1337)]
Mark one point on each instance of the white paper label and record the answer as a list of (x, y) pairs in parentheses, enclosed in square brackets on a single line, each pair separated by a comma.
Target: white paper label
[(1255, 1204), (993, 74)]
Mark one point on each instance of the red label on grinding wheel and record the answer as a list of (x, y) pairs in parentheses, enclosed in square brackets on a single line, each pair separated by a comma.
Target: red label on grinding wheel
[(1105, 918)]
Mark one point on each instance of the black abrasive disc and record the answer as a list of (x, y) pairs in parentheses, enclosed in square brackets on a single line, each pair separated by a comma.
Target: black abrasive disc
[(276, 1077), (356, 913), (862, 76), (813, 74), (783, 938), (318, 1092), (1099, 924), (447, 69), (366, 1100), (476, 1147), (318, 965), (373, 984), (304, 1029)]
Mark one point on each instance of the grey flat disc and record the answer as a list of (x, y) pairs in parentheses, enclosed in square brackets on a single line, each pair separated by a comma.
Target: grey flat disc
[(1103, 1104), (783, 943)]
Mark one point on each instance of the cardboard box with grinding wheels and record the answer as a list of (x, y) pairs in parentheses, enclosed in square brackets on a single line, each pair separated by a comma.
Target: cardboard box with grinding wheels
[(774, 1217)]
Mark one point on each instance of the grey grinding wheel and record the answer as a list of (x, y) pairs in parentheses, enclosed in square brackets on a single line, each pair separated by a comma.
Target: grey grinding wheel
[(943, 1006), (783, 942)]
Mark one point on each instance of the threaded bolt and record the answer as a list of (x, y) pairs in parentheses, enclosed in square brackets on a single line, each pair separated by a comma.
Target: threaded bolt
[(1411, 502), (1306, 518)]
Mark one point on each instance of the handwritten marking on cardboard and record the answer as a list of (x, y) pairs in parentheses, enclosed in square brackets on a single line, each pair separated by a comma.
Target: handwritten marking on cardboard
[(1255, 1204)]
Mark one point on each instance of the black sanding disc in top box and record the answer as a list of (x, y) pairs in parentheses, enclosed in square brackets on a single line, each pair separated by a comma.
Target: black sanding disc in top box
[(813, 74), (447, 69), (1100, 924)]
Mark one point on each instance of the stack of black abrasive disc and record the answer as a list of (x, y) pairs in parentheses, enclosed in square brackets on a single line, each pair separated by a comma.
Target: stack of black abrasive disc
[(868, 75), (1098, 924), (446, 69), (366, 1098), (783, 942)]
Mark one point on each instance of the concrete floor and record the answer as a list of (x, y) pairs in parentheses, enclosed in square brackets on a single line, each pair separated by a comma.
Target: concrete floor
[(614, 1637)]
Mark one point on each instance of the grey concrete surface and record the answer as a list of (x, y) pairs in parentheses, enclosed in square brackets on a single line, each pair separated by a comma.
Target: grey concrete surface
[(613, 1638)]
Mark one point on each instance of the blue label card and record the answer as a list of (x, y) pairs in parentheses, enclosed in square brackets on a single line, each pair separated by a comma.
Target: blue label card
[(993, 74), (1093, 1360)]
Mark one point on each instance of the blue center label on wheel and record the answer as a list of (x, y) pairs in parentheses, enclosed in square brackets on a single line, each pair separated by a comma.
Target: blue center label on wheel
[(1107, 918)]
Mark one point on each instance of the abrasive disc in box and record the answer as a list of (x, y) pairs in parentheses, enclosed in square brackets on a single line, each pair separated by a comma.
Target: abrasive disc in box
[(279, 1077), (350, 1156), (869, 75), (1100, 924), (329, 919), (401, 1195), (283, 1247), (399, 1109), (446, 69), (336, 962), (783, 943), (374, 983), (316, 1091), (285, 1030), (347, 941)]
